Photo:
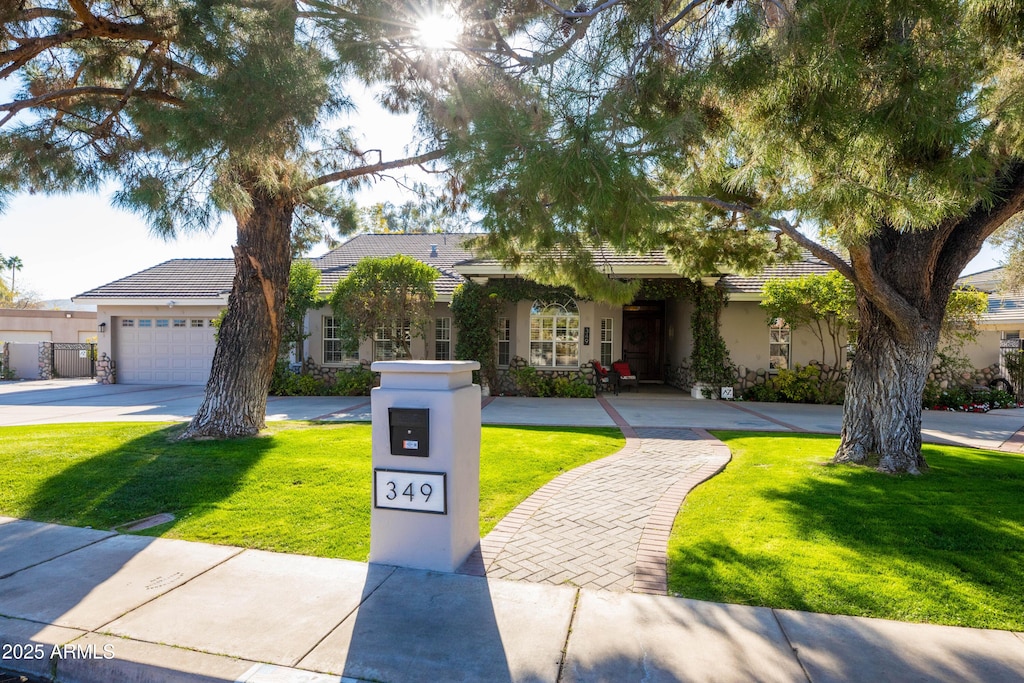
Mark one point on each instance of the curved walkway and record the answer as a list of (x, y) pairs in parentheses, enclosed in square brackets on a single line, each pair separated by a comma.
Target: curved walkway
[(604, 525)]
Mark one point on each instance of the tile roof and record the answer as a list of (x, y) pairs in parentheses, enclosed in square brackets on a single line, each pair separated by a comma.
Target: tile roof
[(335, 264), (1007, 309), (987, 280), (206, 278), (752, 284), (602, 256), (178, 278)]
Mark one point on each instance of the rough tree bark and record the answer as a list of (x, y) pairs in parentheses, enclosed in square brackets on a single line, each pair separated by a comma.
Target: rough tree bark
[(903, 280), (249, 337)]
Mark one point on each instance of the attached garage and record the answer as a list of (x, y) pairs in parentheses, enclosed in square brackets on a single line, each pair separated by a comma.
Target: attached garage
[(163, 350), (155, 326)]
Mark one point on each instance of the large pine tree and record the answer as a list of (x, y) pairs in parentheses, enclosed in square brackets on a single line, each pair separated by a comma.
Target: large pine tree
[(885, 132), (196, 110)]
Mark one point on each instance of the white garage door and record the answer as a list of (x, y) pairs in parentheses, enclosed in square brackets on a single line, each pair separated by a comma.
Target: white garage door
[(163, 350)]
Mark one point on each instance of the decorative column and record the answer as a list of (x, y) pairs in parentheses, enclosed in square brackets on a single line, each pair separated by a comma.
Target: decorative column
[(426, 464)]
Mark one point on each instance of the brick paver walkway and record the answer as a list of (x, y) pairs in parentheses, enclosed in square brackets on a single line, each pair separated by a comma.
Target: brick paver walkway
[(604, 525)]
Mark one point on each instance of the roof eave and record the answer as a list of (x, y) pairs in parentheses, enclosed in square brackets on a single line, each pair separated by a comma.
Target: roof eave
[(221, 300)]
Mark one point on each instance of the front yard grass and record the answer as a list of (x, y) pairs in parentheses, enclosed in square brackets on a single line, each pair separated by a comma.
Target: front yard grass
[(780, 528), (298, 488)]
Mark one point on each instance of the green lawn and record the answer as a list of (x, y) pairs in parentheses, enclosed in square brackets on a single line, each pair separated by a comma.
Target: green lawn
[(298, 488), (780, 528)]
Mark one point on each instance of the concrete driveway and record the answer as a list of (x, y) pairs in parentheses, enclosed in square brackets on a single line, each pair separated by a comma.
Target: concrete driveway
[(82, 400)]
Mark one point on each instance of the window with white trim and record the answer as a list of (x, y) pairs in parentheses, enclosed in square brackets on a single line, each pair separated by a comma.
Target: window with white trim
[(442, 339), (335, 343), (555, 335), (163, 322), (384, 345), (145, 322), (504, 341), (195, 322), (127, 322), (607, 339), (179, 322), (779, 344)]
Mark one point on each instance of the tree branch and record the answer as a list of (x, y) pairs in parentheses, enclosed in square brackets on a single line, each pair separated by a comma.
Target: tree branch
[(784, 226), (19, 105), (380, 167), (904, 316)]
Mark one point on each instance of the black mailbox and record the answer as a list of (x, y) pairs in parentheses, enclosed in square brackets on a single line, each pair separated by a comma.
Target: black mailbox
[(410, 431)]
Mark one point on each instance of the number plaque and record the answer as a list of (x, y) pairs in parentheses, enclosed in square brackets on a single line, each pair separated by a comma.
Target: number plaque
[(411, 491)]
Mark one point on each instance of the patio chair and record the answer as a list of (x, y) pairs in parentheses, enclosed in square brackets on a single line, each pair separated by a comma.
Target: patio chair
[(624, 376), (602, 378)]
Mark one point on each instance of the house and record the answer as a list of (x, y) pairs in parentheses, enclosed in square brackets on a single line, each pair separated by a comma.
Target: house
[(27, 336), (156, 325), (1002, 325)]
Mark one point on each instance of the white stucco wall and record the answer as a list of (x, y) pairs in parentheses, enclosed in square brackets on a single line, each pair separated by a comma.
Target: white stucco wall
[(422, 348)]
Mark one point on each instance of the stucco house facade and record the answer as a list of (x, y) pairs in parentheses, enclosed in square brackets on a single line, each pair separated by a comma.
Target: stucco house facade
[(155, 326)]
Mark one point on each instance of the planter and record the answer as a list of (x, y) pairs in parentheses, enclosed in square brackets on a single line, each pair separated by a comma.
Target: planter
[(703, 390)]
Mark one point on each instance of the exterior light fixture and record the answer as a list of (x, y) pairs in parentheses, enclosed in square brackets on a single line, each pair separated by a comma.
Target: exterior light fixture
[(103, 328)]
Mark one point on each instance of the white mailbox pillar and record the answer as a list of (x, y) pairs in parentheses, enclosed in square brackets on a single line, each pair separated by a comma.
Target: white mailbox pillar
[(426, 464)]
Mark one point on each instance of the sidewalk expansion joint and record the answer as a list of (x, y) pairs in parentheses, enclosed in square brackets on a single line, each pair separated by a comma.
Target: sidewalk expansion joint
[(362, 601), (112, 534), (750, 411), (793, 648), (568, 635)]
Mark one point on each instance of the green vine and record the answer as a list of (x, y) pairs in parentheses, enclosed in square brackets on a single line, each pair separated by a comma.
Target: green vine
[(709, 360), (475, 312), (517, 289)]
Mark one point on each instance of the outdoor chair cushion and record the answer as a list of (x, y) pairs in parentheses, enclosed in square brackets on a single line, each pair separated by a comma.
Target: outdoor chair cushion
[(625, 372)]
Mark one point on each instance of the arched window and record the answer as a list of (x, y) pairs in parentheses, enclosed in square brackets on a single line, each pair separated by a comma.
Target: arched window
[(555, 335)]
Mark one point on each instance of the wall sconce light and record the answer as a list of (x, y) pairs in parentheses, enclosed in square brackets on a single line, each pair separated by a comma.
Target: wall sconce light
[(103, 327), (170, 304)]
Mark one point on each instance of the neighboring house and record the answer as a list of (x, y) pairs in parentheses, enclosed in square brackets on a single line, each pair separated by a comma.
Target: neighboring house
[(1002, 326), (156, 324), (22, 330), (34, 325)]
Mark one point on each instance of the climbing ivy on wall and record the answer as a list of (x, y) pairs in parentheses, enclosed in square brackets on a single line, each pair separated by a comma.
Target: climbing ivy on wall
[(475, 312), (709, 360)]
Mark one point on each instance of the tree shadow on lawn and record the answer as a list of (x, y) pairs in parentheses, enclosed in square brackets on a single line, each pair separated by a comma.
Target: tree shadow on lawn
[(146, 476), (946, 547), (86, 579)]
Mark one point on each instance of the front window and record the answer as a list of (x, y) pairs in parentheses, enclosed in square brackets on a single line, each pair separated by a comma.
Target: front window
[(334, 343), (779, 343), (504, 341), (386, 345), (554, 335), (443, 339), (606, 342)]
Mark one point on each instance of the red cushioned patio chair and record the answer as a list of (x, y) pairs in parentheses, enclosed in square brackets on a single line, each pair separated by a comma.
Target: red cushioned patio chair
[(624, 376)]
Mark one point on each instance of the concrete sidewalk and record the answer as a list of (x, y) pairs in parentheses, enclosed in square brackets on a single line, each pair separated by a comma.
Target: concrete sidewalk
[(87, 605)]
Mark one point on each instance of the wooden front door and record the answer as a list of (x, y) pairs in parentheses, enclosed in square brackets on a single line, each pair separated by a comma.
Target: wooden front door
[(643, 343)]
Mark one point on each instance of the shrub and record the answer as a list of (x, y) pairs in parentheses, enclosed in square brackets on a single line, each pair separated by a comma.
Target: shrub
[(762, 392), (563, 387), (349, 382), (966, 399)]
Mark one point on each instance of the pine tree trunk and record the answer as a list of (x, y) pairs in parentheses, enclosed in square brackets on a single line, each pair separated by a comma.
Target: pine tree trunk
[(249, 338), (882, 412)]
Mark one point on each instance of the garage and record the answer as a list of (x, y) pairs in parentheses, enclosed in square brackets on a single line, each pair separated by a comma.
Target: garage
[(163, 350)]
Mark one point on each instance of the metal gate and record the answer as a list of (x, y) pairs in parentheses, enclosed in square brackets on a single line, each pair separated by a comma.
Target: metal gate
[(73, 360)]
